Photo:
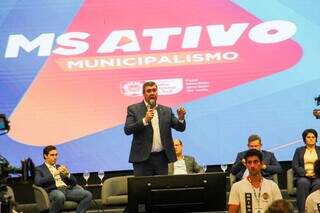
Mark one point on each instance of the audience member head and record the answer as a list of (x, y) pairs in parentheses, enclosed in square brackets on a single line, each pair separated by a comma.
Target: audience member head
[(50, 154), (280, 206), (309, 134), (253, 152), (253, 162), (150, 92), (254, 142), (178, 146)]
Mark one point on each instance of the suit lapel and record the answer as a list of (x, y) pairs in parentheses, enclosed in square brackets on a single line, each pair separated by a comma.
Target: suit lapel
[(160, 117), (318, 151), (170, 168), (187, 162), (263, 156), (142, 109), (46, 169)]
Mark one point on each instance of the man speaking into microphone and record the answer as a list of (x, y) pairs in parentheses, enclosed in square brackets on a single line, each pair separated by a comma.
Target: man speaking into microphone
[(150, 123)]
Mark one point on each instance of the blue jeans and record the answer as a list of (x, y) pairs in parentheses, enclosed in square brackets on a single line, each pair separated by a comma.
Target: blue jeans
[(77, 193)]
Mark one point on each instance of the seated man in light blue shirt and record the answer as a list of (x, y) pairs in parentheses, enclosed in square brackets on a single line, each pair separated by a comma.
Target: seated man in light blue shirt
[(185, 164)]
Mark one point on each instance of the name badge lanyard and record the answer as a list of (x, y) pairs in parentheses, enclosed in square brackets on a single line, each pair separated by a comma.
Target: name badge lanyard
[(257, 197)]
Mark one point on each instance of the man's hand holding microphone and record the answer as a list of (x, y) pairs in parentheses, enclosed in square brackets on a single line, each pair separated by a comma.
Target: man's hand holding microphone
[(150, 113)]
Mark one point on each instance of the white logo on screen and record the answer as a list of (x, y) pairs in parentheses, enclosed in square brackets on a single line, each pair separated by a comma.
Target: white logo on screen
[(74, 43), (131, 88), (165, 87)]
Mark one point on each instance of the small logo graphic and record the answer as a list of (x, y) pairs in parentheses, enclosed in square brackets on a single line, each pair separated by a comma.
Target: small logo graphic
[(265, 196), (165, 87), (131, 88)]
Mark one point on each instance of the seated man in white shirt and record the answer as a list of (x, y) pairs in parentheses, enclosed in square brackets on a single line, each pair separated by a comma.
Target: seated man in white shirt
[(59, 183), (253, 193), (184, 164)]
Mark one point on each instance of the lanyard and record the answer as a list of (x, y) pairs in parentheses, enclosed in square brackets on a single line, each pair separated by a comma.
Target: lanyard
[(255, 193)]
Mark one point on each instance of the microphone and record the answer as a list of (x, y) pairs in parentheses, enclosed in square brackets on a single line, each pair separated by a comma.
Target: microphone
[(152, 103)]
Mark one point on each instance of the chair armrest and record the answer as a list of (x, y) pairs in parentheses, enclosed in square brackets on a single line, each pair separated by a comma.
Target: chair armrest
[(41, 197), (290, 183), (106, 191), (232, 179), (275, 178)]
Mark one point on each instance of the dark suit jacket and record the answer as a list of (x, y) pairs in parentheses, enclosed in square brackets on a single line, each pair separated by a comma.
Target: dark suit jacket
[(142, 135), (44, 178), (269, 160), (191, 166), (298, 161)]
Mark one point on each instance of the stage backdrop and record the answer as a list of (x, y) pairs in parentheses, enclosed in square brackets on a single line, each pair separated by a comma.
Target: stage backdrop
[(69, 69)]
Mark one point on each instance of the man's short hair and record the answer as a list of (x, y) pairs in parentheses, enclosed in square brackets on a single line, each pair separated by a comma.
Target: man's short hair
[(316, 168), (178, 141), (253, 152), (253, 138), (307, 131), (280, 206), (48, 149), (148, 84)]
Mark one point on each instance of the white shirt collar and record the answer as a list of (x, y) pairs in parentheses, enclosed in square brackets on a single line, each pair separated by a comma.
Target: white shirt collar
[(50, 166)]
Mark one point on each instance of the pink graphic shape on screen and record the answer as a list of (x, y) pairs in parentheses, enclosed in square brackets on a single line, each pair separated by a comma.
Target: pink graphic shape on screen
[(61, 106)]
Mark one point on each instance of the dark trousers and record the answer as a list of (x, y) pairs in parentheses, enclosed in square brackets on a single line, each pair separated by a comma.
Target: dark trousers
[(304, 187), (156, 164)]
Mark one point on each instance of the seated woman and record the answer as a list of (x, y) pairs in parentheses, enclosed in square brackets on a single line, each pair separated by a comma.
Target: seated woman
[(302, 165)]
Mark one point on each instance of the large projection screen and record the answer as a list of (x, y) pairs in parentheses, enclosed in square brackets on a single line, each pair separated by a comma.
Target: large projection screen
[(69, 69)]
